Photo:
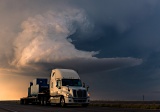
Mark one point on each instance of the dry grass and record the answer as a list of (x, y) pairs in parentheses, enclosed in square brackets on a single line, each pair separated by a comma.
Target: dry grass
[(127, 104)]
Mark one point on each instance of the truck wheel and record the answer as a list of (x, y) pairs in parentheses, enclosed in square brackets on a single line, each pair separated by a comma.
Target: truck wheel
[(21, 101), (45, 101), (42, 101), (26, 102), (62, 102)]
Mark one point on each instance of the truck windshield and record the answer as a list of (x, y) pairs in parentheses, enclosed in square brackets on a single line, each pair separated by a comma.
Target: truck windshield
[(71, 82)]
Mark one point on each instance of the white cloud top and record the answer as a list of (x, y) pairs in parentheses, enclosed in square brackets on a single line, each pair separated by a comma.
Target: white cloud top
[(44, 38)]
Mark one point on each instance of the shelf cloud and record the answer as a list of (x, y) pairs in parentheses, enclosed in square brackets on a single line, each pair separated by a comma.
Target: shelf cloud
[(45, 39)]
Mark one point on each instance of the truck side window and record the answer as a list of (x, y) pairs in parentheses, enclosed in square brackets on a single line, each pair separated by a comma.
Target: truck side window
[(58, 83), (53, 74), (52, 85)]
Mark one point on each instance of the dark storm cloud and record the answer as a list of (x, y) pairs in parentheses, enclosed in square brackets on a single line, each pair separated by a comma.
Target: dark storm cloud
[(46, 38), (121, 28), (97, 65), (120, 14), (90, 65)]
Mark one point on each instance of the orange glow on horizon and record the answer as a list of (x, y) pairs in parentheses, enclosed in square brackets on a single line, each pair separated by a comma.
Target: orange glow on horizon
[(13, 87)]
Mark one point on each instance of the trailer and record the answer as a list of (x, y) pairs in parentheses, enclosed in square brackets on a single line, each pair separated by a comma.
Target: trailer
[(63, 88)]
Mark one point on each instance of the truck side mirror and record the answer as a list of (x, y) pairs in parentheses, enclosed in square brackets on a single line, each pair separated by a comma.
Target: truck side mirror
[(87, 88), (58, 87), (68, 87)]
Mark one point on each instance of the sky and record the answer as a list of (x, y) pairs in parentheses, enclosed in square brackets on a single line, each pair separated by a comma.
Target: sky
[(113, 44)]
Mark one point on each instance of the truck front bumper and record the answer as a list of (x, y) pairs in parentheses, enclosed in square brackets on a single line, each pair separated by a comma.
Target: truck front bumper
[(73, 100)]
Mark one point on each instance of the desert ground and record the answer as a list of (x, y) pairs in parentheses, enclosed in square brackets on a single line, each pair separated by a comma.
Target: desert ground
[(95, 106)]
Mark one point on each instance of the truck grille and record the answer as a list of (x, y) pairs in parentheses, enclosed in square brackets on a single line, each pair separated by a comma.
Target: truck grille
[(79, 100), (79, 93)]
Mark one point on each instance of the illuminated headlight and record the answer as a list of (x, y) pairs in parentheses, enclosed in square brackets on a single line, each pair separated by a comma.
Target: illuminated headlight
[(88, 95), (68, 95)]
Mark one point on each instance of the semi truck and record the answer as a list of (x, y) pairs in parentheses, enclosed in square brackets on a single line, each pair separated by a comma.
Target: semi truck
[(64, 87)]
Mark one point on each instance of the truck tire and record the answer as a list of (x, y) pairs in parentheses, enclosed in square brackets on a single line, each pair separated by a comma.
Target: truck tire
[(22, 102), (41, 101), (26, 102), (45, 100), (62, 102)]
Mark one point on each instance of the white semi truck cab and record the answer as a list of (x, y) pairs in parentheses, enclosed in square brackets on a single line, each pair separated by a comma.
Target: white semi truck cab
[(64, 88), (67, 88)]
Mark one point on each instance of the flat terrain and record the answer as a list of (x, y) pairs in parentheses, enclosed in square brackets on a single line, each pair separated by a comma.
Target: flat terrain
[(14, 106)]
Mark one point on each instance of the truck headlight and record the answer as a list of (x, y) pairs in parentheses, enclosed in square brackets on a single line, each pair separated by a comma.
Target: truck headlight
[(68, 95), (88, 95)]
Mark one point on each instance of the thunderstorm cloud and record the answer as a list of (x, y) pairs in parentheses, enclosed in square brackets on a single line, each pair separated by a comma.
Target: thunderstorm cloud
[(45, 39)]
